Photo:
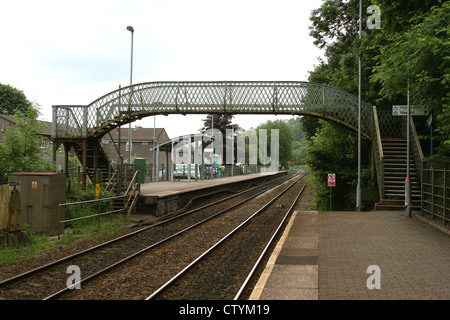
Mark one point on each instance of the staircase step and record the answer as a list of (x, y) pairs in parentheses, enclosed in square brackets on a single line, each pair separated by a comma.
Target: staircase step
[(386, 204)]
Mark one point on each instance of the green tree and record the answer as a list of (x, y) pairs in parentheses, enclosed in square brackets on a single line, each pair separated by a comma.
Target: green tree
[(333, 150), (20, 147), (419, 59), (220, 122), (13, 100), (300, 142), (286, 138)]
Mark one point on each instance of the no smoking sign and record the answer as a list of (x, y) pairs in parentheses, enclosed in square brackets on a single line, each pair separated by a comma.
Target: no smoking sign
[(331, 179)]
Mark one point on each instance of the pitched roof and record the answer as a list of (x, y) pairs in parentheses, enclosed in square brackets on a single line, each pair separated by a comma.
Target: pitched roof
[(138, 133), (47, 126)]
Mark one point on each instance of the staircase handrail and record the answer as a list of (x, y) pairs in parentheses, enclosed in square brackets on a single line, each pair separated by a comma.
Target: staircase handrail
[(111, 183), (379, 156), (378, 133), (417, 149), (134, 185)]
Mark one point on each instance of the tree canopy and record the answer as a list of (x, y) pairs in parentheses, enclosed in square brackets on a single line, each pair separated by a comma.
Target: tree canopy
[(20, 147), (13, 100), (286, 139)]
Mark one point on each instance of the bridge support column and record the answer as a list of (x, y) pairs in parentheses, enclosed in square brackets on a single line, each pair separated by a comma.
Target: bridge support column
[(173, 164), (189, 159), (157, 164), (66, 159), (95, 163), (55, 150), (196, 157), (84, 164), (166, 172)]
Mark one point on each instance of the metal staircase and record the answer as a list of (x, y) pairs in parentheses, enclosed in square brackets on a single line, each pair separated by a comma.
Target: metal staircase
[(391, 160), (395, 172), (95, 152)]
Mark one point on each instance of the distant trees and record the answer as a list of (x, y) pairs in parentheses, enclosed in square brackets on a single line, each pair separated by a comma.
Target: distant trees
[(20, 146), (299, 145), (13, 100), (286, 139)]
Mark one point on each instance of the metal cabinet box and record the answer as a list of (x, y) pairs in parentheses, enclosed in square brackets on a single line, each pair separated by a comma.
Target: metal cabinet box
[(40, 196)]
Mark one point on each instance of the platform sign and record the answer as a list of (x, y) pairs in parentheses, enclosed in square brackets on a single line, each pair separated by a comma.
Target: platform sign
[(332, 180), (402, 110), (331, 183)]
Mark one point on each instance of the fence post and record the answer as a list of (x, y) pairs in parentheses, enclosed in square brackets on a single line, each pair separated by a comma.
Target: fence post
[(444, 213), (59, 227), (432, 193), (99, 216), (421, 190)]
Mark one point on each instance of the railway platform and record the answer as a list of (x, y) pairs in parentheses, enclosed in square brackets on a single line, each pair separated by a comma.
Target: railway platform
[(163, 197), (378, 255)]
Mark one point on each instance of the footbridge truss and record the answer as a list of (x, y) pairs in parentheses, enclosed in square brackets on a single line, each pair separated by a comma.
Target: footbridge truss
[(146, 99)]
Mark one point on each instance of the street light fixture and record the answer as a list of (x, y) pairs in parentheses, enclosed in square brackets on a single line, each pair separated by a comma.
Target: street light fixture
[(131, 29)]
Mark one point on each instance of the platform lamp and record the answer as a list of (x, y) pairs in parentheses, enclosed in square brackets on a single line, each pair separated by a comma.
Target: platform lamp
[(358, 187), (131, 29)]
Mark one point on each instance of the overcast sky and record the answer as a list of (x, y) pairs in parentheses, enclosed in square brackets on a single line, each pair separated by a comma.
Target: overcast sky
[(61, 52)]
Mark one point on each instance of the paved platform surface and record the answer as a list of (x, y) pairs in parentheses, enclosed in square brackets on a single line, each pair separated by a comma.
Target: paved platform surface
[(165, 188), (326, 255)]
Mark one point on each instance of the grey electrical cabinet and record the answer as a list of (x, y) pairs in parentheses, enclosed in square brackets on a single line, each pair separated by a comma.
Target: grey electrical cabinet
[(40, 196)]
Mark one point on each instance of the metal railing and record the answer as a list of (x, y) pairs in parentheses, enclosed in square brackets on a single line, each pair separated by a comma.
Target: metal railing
[(132, 193), (416, 148), (377, 147), (436, 193), (98, 215), (130, 198)]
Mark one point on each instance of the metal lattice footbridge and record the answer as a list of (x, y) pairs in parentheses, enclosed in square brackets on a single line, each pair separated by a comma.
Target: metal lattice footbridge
[(131, 103), (84, 125)]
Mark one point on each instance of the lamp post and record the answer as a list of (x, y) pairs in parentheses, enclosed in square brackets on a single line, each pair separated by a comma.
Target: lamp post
[(131, 29), (408, 178), (358, 188)]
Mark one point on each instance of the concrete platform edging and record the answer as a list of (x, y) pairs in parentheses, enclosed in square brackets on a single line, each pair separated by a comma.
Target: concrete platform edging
[(292, 270)]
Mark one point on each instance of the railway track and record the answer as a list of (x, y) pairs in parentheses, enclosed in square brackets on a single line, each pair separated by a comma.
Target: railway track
[(50, 281), (217, 273)]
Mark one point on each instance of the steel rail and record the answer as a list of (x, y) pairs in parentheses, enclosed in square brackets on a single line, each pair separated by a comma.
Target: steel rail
[(92, 276), (104, 244), (269, 243), (205, 253)]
